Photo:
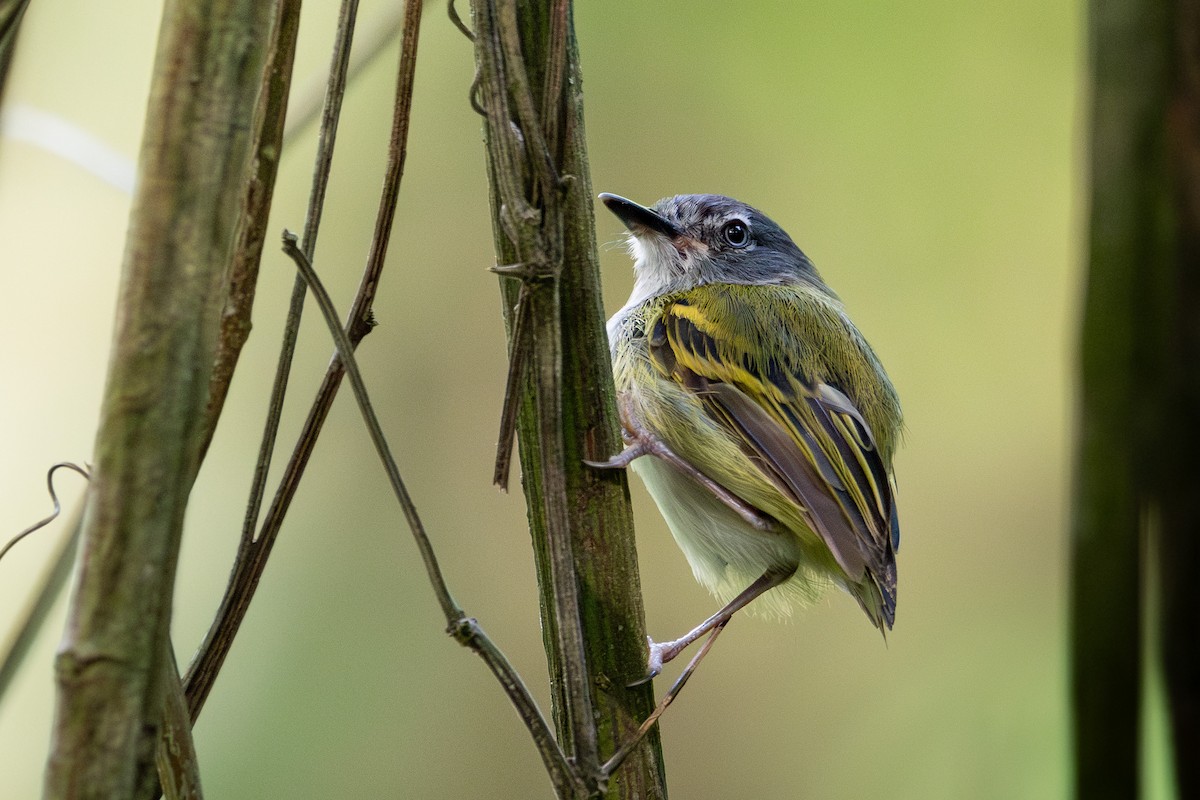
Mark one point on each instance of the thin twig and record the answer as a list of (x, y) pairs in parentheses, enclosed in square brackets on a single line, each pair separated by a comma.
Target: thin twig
[(53, 498), (372, 39), (360, 321), (464, 629), (326, 139), (53, 579), (251, 563), (458, 21), (533, 128), (252, 554), (345, 351), (178, 768), (556, 63), (517, 366), (509, 178), (532, 149), (473, 96)]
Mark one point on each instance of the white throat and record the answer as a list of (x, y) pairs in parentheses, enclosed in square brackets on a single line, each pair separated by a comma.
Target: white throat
[(658, 268)]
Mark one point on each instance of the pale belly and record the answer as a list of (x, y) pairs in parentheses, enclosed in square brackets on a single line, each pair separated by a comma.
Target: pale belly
[(726, 554)]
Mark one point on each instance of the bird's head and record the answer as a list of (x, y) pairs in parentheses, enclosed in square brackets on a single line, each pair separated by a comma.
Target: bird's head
[(693, 239)]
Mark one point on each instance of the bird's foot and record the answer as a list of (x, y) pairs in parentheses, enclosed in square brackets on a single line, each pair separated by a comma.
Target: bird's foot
[(660, 653), (640, 441), (635, 449)]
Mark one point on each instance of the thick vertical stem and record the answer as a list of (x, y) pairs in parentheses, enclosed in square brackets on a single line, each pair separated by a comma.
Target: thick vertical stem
[(558, 234), (193, 165), (1179, 435), (1129, 238)]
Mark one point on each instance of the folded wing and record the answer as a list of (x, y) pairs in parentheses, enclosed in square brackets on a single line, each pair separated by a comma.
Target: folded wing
[(804, 433)]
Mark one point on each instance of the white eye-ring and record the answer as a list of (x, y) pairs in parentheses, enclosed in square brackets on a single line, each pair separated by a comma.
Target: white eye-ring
[(736, 233)]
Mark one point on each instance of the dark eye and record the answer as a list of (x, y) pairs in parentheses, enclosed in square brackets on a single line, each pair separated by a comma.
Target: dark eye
[(736, 233)]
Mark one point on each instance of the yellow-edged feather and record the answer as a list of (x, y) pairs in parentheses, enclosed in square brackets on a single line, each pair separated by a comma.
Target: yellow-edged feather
[(805, 435)]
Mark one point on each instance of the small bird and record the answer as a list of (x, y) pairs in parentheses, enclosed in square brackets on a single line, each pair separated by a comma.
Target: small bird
[(769, 421)]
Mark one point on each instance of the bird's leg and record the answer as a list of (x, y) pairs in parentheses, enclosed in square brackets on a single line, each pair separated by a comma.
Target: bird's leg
[(647, 725), (640, 441), (662, 652)]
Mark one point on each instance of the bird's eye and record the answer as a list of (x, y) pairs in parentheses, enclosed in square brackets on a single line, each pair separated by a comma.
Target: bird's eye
[(736, 233)]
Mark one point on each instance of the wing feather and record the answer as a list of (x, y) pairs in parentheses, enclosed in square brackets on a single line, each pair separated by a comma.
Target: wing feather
[(803, 431), (796, 467)]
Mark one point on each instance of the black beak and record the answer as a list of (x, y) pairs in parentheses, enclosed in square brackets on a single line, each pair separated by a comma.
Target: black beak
[(639, 219)]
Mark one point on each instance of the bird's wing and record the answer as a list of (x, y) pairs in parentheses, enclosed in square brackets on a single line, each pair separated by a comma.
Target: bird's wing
[(805, 434)]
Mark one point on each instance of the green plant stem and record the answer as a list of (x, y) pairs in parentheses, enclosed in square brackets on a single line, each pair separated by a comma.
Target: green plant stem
[(1130, 232), (194, 161), (529, 87)]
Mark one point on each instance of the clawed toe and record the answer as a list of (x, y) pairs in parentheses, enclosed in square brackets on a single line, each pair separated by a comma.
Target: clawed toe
[(616, 462), (654, 663), (636, 449)]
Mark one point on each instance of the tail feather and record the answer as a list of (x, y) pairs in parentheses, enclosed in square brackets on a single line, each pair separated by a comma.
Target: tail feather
[(876, 593)]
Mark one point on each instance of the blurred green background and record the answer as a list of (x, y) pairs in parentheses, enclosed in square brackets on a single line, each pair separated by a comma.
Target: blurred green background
[(926, 155)]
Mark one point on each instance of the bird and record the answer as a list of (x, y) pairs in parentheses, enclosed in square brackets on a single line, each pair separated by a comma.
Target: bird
[(757, 415)]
